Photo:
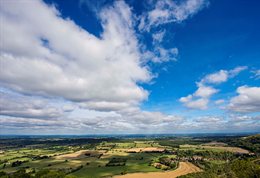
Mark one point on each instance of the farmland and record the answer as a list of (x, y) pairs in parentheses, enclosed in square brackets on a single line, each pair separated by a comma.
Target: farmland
[(183, 169), (120, 157)]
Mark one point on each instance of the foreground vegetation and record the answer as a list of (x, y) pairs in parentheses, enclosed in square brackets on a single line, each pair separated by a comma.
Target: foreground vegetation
[(235, 169), (222, 156)]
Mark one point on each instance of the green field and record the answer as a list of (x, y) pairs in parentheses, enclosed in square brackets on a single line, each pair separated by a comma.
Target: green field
[(106, 158)]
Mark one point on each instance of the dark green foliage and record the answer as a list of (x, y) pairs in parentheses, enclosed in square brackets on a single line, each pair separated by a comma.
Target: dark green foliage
[(244, 168), (176, 142), (53, 174), (41, 174), (117, 162), (21, 174), (16, 163), (251, 143), (235, 169), (2, 173), (168, 162)]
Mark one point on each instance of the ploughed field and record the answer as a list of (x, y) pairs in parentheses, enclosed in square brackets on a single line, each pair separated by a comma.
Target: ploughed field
[(121, 158)]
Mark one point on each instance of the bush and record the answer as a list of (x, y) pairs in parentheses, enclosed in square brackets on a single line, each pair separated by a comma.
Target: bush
[(53, 174), (2, 173), (244, 168), (21, 174)]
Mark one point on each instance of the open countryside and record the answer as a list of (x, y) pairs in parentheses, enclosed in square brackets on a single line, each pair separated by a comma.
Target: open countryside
[(129, 88), (165, 157)]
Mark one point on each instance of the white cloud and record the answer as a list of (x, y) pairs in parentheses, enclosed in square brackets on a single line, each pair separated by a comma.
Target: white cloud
[(100, 74), (205, 91), (243, 118), (107, 106), (201, 103), (230, 123), (158, 36), (186, 99), (200, 98), (29, 107), (43, 54), (236, 71), (256, 74), (222, 75), (167, 11), (99, 122), (163, 12), (248, 100), (209, 119), (220, 101), (160, 54), (39, 57), (218, 77)]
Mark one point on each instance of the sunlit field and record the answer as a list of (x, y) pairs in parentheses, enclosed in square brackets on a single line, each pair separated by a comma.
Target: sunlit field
[(168, 156)]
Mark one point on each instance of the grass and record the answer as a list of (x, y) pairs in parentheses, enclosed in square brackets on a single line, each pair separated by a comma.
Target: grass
[(94, 167), (93, 171), (212, 148)]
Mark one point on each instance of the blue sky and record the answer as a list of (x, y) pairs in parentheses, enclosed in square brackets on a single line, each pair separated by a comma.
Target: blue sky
[(174, 66)]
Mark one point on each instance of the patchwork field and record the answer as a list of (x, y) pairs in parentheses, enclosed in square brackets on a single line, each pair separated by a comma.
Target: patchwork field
[(121, 158)]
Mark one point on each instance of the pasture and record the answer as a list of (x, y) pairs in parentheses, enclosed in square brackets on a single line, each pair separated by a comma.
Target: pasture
[(120, 158)]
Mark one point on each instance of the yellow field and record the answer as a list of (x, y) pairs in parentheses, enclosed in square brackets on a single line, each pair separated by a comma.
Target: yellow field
[(183, 169), (147, 149)]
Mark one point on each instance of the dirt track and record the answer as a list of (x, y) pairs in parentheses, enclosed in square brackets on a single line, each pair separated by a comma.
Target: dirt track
[(183, 169)]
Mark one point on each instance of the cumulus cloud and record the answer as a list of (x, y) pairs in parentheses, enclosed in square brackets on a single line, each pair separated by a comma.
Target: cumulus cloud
[(200, 98), (101, 75), (80, 66), (218, 77), (95, 78), (201, 103), (28, 107), (247, 100), (205, 91), (222, 75)]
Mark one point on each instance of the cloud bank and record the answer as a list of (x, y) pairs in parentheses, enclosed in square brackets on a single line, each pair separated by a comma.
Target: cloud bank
[(57, 77)]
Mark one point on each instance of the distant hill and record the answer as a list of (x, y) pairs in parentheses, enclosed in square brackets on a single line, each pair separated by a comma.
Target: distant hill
[(251, 143), (254, 139)]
